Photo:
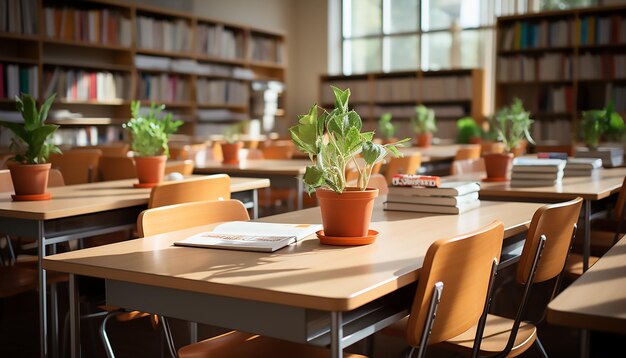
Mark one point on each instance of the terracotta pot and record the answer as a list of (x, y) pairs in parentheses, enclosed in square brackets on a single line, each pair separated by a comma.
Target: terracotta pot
[(424, 140), (230, 153), (347, 214), (29, 179), (475, 140), (390, 140), (498, 165), (150, 170)]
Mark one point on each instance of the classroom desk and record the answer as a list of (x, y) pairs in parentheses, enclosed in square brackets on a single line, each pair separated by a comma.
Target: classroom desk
[(306, 292), (597, 299), (280, 172), (436, 159), (79, 211), (603, 183)]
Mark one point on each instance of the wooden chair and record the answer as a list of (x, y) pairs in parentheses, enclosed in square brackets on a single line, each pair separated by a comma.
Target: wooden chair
[(211, 187), (184, 167), (543, 258), (455, 284), (77, 166), (164, 219), (468, 152), (278, 150), (405, 165), (109, 150), (55, 178), (116, 168), (465, 166)]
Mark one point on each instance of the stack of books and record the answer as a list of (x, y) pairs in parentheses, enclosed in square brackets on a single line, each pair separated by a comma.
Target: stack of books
[(582, 167), (537, 172), (448, 198), (611, 156)]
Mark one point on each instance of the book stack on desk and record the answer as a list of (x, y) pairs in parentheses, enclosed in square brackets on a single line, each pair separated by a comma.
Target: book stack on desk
[(611, 156), (537, 172), (448, 198), (582, 167)]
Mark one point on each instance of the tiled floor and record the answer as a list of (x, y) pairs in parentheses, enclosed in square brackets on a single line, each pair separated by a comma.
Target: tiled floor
[(19, 337)]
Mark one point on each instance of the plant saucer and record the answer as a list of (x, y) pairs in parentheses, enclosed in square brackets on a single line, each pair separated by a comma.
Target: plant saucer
[(347, 241), (495, 180), (32, 197)]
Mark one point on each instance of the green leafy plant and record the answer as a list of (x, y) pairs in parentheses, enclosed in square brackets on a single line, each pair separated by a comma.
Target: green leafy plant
[(151, 131), (232, 132), (31, 138), (512, 124), (423, 121), (599, 124), (333, 139), (386, 128), (467, 128)]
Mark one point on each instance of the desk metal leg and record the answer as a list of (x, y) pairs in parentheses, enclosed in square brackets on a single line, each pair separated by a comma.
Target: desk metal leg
[(585, 338), (43, 318), (587, 237), (54, 314), (336, 335), (193, 332), (300, 191), (255, 202), (74, 317)]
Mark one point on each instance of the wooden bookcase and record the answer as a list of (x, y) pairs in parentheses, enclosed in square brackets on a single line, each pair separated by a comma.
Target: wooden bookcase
[(80, 47), (561, 63), (452, 94)]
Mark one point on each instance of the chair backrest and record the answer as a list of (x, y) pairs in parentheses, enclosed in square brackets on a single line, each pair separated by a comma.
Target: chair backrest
[(464, 265), (211, 187), (78, 166), (55, 178), (181, 216), (179, 152), (468, 152), (278, 150), (621, 201), (110, 150), (556, 222), (116, 168), (465, 166), (184, 167), (408, 164), (6, 184)]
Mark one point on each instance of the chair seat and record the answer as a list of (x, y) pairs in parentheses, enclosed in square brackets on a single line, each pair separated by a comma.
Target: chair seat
[(574, 264), (126, 316), (16, 280), (239, 344)]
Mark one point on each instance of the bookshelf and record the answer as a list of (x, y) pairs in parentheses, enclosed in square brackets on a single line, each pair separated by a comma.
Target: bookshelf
[(99, 55), (452, 94), (561, 63)]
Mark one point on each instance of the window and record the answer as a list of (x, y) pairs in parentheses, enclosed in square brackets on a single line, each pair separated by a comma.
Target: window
[(396, 35)]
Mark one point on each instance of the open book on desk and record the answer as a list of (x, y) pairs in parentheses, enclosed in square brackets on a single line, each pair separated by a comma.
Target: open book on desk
[(250, 236)]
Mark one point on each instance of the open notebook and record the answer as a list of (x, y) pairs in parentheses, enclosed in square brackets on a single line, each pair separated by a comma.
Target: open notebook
[(250, 236)]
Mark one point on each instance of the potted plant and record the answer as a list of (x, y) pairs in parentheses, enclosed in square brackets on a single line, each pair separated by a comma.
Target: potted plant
[(512, 125), (598, 125), (423, 123), (29, 167), (332, 140), (386, 128), (150, 135), (231, 144), (468, 131)]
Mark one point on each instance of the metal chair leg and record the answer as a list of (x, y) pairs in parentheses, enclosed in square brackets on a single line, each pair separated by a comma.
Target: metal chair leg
[(104, 335), (540, 348), (408, 352), (168, 336)]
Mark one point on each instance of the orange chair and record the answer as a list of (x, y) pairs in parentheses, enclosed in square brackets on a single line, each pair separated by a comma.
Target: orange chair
[(111, 150), (184, 167), (409, 164), (471, 151), (77, 166), (465, 166), (116, 168), (278, 149), (210, 187)]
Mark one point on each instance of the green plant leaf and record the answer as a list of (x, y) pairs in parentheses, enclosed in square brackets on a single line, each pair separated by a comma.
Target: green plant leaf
[(313, 177), (29, 113), (45, 108)]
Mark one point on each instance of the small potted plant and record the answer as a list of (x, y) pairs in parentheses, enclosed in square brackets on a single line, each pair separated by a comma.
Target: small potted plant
[(387, 129), (468, 131), (231, 144), (150, 135), (332, 140), (30, 167), (599, 125), (512, 125), (423, 123)]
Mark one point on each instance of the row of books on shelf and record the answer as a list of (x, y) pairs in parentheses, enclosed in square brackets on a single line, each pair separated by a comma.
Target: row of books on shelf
[(102, 26), (404, 111), (524, 35), (78, 85), (219, 41), (163, 35), (601, 30), (444, 198), (163, 88), (16, 79), (558, 130), (550, 67), (218, 92), (219, 115), (266, 49), (617, 95), (18, 16), (144, 62), (558, 99), (605, 66)]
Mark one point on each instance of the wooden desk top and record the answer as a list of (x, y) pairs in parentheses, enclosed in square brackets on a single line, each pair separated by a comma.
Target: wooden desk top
[(599, 186), (306, 274), (292, 167), (72, 200), (596, 300)]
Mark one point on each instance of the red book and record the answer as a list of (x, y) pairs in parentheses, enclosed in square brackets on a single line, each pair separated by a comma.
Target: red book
[(569, 101), (2, 95), (93, 86)]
